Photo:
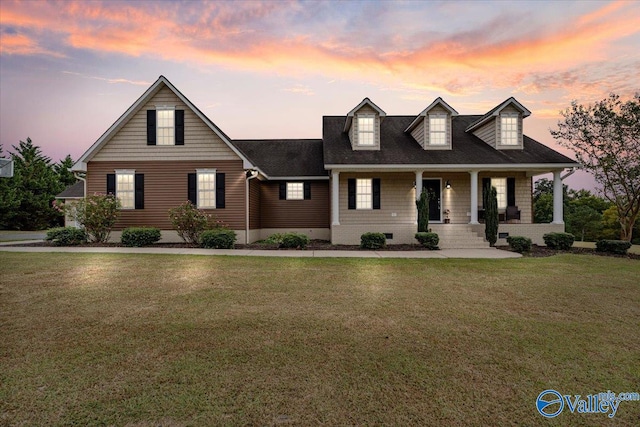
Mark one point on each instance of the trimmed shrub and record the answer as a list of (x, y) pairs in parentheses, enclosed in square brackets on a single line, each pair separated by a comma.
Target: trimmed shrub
[(373, 241), (294, 240), (560, 241), (66, 236), (140, 236), (219, 238), (275, 239), (97, 214), (423, 211), (619, 247), (428, 240), (519, 244), (491, 215), (189, 222)]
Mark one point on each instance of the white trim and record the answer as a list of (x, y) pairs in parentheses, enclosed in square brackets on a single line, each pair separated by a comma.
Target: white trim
[(511, 101), (80, 165), (207, 171), (423, 113), (549, 167), (300, 183), (372, 132), (121, 172), (297, 178), (366, 101), (444, 117)]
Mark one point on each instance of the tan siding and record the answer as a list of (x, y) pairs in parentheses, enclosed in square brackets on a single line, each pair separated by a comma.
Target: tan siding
[(276, 213), (488, 132), (130, 142), (165, 187), (418, 132), (254, 204), (397, 195)]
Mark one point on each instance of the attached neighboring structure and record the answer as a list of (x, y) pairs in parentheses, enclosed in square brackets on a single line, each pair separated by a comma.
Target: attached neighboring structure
[(363, 175)]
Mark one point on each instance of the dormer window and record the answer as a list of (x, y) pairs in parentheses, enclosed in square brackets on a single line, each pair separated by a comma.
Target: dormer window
[(509, 129), (437, 129), (366, 130)]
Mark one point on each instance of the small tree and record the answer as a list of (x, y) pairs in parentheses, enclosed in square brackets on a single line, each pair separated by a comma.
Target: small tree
[(97, 214), (189, 222), (605, 137), (423, 211), (491, 214)]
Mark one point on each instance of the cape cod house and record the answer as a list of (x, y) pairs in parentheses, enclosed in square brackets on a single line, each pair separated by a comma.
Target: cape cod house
[(363, 175)]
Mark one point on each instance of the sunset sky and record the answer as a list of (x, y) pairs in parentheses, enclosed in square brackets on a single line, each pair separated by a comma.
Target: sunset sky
[(272, 69)]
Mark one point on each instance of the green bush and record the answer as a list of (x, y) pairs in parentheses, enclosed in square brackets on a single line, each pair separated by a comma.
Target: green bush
[(519, 244), (294, 240), (66, 236), (97, 213), (140, 236), (635, 241), (619, 247), (189, 222), (373, 241), (428, 240), (560, 241), (275, 239), (219, 238)]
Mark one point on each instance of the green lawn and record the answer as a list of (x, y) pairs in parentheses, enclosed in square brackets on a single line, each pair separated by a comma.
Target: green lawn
[(147, 340)]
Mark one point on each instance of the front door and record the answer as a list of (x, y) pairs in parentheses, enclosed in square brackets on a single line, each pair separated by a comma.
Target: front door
[(433, 187)]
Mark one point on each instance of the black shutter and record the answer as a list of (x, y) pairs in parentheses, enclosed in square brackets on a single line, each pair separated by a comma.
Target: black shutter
[(151, 127), (179, 130), (485, 183), (351, 185), (511, 191), (282, 194), (376, 193), (220, 191), (307, 191), (111, 183), (139, 188), (191, 188)]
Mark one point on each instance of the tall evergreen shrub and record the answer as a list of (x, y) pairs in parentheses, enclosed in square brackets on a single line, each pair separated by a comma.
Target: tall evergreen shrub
[(491, 215)]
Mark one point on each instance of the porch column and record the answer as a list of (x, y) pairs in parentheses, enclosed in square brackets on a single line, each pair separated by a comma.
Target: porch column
[(558, 216), (418, 189), (474, 197), (335, 198)]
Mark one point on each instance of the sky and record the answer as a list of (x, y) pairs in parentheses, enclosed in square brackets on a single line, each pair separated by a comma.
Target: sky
[(272, 69)]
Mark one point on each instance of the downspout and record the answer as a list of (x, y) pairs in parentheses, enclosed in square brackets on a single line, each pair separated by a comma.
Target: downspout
[(84, 183), (250, 174)]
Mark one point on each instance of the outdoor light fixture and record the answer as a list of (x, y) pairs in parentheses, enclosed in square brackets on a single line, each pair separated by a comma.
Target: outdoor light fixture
[(448, 185)]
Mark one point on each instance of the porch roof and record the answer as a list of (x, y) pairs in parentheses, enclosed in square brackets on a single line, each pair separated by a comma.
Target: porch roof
[(399, 148)]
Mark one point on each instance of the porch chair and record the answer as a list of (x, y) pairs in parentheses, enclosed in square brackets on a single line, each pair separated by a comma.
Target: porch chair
[(512, 213)]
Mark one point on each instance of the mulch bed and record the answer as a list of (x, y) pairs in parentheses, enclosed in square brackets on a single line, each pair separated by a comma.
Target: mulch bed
[(323, 245)]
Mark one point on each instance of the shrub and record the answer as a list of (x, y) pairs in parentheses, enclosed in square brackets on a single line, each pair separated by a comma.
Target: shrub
[(219, 238), (423, 211), (619, 247), (491, 216), (140, 236), (560, 241), (519, 244), (428, 240), (373, 241), (97, 214), (275, 239), (294, 240), (635, 241), (66, 236), (189, 222)]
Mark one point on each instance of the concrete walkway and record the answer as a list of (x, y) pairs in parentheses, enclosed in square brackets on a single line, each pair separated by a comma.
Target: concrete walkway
[(490, 253)]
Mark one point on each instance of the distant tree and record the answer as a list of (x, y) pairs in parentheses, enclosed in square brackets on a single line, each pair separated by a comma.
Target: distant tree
[(610, 224), (63, 169), (35, 184), (584, 214), (605, 137), (491, 218), (543, 201)]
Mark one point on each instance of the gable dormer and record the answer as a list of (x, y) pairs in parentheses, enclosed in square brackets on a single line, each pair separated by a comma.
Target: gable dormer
[(501, 127), (432, 127), (363, 125)]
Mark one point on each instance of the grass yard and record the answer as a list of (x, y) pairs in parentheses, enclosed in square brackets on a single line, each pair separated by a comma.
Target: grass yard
[(148, 340)]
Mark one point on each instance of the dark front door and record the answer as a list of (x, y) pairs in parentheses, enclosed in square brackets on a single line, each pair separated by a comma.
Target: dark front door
[(433, 188)]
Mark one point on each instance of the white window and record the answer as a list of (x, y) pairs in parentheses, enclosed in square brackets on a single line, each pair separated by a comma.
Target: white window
[(437, 129), (509, 129), (295, 191), (501, 190), (366, 130), (125, 189), (165, 126), (364, 193), (206, 188)]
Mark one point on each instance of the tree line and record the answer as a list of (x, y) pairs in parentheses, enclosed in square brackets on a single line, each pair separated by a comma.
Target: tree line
[(26, 198)]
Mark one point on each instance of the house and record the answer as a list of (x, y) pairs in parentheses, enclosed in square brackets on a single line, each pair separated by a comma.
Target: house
[(363, 175)]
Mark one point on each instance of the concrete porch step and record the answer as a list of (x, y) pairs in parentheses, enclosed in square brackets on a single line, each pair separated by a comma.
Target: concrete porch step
[(458, 236)]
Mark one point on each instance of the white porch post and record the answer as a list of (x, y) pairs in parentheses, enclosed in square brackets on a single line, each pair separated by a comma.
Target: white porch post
[(335, 198), (474, 197), (558, 215), (418, 189)]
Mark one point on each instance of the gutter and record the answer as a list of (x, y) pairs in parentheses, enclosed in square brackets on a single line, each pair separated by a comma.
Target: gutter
[(250, 174), (84, 183)]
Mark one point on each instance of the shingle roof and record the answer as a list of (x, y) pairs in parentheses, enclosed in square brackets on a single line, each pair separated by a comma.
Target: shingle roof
[(399, 148), (285, 157), (75, 191)]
